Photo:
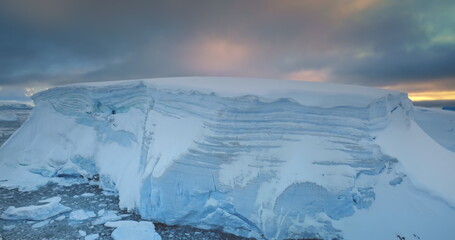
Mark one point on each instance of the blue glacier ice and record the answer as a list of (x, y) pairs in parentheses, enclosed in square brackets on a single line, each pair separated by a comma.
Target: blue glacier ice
[(256, 158)]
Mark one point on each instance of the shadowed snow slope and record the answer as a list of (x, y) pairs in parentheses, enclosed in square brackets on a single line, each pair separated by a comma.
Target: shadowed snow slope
[(439, 124), (253, 157)]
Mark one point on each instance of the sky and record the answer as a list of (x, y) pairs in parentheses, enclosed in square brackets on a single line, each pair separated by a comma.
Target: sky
[(404, 45)]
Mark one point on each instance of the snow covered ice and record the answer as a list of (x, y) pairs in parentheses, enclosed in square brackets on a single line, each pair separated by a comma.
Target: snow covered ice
[(81, 214), (256, 158), (141, 230), (106, 216), (51, 208)]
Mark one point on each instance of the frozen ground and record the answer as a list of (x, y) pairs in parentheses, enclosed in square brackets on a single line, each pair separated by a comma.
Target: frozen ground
[(76, 197)]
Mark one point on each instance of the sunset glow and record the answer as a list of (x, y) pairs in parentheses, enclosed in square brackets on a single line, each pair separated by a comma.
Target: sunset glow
[(405, 46), (431, 96)]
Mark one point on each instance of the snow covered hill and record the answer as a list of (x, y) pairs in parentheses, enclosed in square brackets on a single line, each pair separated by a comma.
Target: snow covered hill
[(253, 157)]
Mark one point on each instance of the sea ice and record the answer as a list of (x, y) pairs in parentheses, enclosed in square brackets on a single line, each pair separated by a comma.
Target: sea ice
[(81, 214), (142, 230), (82, 233), (106, 216), (51, 208), (41, 224), (87, 195), (9, 227), (95, 236)]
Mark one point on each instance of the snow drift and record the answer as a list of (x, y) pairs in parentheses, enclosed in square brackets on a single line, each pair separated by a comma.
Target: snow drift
[(257, 158)]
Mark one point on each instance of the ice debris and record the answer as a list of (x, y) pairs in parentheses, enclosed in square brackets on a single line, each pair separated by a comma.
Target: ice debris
[(9, 227), (92, 236), (106, 216), (41, 224), (36, 212), (82, 233), (141, 230), (87, 195), (81, 214)]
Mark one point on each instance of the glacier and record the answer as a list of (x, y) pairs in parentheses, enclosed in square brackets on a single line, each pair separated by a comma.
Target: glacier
[(257, 158)]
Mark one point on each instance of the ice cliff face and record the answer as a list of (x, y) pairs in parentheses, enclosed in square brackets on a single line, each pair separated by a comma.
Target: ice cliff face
[(277, 159)]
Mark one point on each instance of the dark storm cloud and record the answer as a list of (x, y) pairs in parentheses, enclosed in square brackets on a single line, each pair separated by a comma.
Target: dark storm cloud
[(367, 42)]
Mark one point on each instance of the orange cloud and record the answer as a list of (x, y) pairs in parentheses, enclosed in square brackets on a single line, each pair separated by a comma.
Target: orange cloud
[(309, 75), (356, 6), (427, 91), (216, 56), (432, 95)]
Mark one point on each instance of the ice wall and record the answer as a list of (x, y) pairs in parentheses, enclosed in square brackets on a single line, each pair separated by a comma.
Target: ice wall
[(273, 159)]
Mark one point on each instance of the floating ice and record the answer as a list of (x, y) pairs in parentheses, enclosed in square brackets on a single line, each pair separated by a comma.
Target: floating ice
[(51, 208), (9, 227), (41, 224), (106, 216), (81, 214), (87, 195), (82, 233), (95, 236), (142, 230)]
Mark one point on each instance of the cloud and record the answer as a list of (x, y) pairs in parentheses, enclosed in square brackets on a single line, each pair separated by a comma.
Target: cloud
[(310, 75), (383, 43), (215, 56)]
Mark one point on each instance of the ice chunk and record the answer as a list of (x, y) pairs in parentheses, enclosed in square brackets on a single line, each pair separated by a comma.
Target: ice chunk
[(92, 236), (81, 214), (60, 218), (41, 224), (82, 233), (9, 227), (51, 208), (87, 195), (106, 216), (141, 230), (100, 212)]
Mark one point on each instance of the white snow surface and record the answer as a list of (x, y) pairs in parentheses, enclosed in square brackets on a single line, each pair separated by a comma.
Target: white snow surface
[(254, 157), (141, 230), (439, 124), (51, 208)]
